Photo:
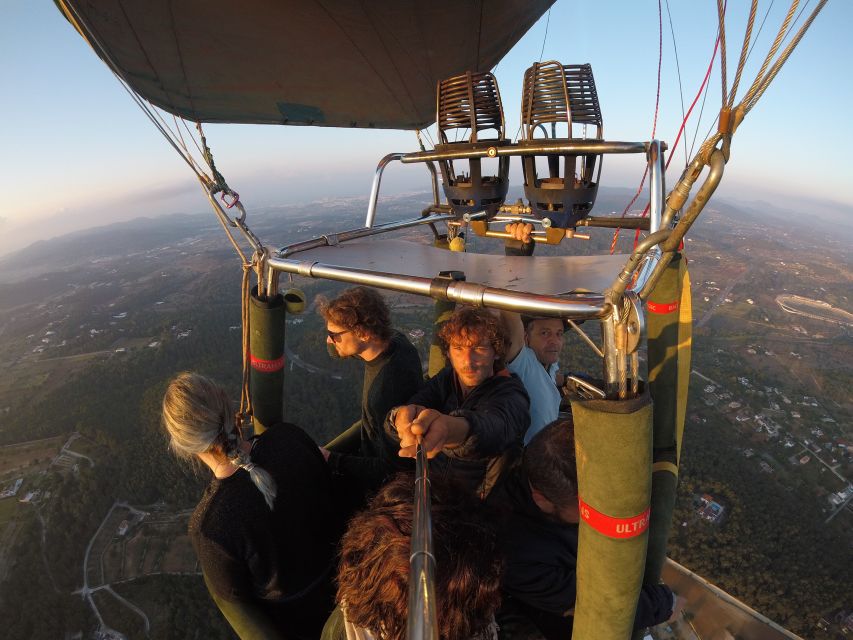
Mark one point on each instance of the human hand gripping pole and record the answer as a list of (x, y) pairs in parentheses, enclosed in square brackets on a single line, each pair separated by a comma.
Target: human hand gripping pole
[(434, 429), (520, 231)]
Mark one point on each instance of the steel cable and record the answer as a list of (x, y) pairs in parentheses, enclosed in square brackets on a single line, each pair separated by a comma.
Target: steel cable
[(783, 57), (721, 17)]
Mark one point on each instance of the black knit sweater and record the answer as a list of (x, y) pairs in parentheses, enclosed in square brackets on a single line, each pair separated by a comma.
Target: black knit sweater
[(281, 559)]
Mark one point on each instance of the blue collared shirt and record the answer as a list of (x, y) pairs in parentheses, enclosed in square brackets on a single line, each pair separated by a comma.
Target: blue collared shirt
[(541, 385)]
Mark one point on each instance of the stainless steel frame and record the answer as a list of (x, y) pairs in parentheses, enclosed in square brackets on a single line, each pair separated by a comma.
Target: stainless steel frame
[(332, 239), (656, 250), (374, 190), (657, 184), (516, 149), (353, 234), (377, 179), (422, 622), (657, 189), (576, 306), (526, 148), (605, 222)]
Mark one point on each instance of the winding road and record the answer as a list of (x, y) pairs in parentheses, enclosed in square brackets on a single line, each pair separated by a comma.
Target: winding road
[(295, 360), (86, 590)]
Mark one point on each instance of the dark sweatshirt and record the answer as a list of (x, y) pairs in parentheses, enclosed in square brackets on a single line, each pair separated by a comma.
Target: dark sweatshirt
[(364, 454), (497, 411), (540, 555), (284, 559)]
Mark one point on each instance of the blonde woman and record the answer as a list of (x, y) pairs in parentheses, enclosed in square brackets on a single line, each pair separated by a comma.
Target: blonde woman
[(266, 528)]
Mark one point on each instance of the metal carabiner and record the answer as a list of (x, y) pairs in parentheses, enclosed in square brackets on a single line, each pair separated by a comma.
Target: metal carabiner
[(235, 198)]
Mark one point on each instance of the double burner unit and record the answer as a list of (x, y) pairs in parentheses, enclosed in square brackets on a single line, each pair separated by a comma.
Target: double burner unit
[(558, 103)]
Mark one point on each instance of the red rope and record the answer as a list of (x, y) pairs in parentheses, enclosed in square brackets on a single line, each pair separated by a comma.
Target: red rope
[(695, 100), (681, 128), (674, 146), (654, 129)]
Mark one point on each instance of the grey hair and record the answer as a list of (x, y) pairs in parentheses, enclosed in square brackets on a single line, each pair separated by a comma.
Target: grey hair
[(199, 417)]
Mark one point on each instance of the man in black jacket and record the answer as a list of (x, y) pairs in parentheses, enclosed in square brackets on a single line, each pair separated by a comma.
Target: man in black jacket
[(538, 501), (473, 414), (358, 324)]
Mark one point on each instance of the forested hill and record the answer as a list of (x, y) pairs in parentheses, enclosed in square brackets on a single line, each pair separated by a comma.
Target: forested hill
[(90, 337)]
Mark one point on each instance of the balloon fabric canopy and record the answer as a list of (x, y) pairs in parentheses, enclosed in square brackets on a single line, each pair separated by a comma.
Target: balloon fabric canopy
[(334, 63)]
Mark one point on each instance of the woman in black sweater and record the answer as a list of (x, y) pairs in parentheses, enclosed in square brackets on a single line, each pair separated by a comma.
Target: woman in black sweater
[(266, 528)]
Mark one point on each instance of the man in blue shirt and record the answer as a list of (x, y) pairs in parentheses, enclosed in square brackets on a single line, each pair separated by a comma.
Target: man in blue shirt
[(534, 350), (533, 354)]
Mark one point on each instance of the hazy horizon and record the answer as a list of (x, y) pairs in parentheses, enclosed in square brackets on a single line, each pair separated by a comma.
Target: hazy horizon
[(70, 170), (190, 201)]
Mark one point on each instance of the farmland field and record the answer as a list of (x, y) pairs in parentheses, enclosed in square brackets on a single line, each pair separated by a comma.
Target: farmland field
[(18, 457)]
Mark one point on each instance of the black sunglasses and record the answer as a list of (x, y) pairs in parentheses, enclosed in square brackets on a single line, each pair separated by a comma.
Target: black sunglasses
[(335, 336)]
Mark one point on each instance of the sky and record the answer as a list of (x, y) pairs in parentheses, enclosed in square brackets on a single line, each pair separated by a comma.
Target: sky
[(77, 152)]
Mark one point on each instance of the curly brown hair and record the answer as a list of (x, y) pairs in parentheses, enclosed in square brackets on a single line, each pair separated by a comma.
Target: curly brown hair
[(373, 578), (359, 309), (470, 325)]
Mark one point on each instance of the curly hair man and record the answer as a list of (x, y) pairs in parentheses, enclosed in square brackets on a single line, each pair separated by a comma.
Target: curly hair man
[(472, 415)]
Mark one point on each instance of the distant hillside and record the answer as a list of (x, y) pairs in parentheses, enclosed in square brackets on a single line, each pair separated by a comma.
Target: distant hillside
[(275, 225), (120, 238), (93, 323)]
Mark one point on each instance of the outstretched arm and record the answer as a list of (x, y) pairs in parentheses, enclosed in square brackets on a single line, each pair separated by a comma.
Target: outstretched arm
[(514, 328), (512, 321), (437, 430)]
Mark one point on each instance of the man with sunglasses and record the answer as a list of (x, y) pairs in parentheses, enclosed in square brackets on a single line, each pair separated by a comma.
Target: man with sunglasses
[(358, 325)]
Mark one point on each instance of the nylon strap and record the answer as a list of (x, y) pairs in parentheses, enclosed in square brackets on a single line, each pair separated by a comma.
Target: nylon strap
[(267, 366), (662, 307), (614, 527)]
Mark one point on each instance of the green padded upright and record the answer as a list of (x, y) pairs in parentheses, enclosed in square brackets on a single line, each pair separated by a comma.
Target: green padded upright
[(266, 345), (347, 442), (443, 309), (669, 325), (613, 442)]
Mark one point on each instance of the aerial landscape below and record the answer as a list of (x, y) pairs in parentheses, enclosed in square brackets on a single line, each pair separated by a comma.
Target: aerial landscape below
[(93, 514)]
